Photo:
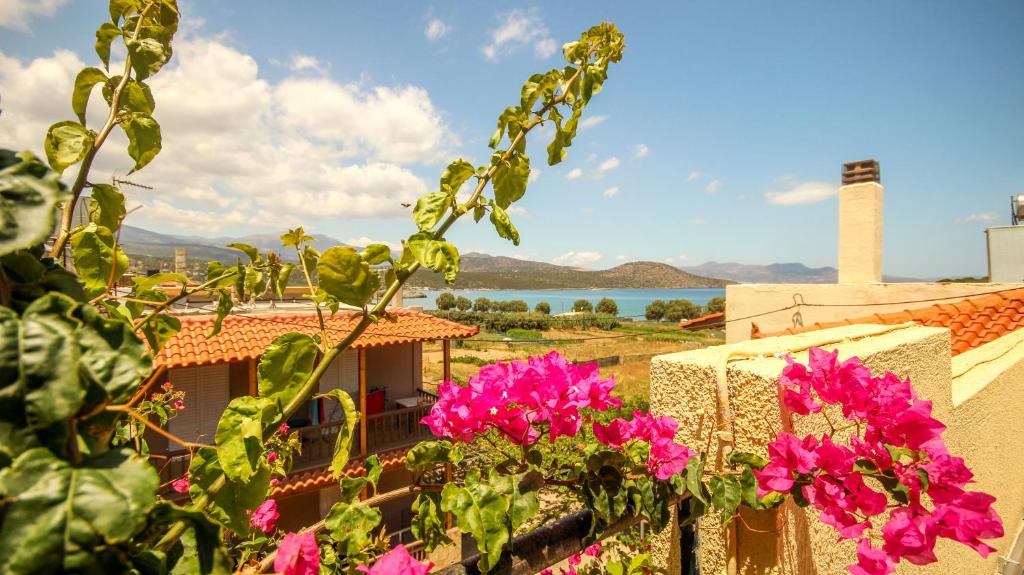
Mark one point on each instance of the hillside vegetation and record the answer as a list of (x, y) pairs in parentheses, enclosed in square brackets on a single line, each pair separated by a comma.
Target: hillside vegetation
[(509, 273)]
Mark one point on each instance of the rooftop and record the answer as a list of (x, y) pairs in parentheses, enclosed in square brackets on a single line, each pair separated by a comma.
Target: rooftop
[(244, 337), (972, 322)]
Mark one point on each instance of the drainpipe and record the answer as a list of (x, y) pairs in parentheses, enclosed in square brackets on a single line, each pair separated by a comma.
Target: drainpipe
[(1013, 563)]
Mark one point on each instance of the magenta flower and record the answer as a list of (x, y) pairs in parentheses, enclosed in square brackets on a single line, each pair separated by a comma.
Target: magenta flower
[(594, 550), (397, 562), (871, 561), (271, 457), (298, 554), (283, 430), (665, 458), (265, 516), (178, 405), (167, 386), (181, 484)]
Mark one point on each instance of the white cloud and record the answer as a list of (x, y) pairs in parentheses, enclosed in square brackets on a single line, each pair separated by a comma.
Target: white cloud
[(694, 176), (534, 176), (573, 174), (517, 211), (363, 241), (520, 28), (802, 193), (591, 121), (696, 221), (610, 192), (15, 14), (713, 186), (303, 62), (608, 165), (641, 151), (681, 258), (620, 257), (983, 217), (435, 30), (240, 150), (577, 259)]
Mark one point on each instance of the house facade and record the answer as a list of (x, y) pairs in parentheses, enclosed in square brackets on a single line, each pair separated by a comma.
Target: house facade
[(383, 371)]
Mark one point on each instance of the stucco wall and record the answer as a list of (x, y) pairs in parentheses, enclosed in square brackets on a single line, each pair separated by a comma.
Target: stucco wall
[(397, 368), (792, 540), (745, 303), (860, 233)]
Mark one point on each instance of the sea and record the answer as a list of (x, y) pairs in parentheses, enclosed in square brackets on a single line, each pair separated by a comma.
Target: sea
[(631, 302)]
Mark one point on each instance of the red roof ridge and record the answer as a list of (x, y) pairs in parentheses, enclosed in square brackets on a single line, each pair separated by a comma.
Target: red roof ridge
[(696, 320), (972, 321)]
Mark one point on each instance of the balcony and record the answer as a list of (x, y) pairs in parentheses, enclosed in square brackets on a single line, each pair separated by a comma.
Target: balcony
[(386, 430)]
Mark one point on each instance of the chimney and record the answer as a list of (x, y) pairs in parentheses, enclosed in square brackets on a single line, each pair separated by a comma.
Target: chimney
[(180, 261), (860, 223)]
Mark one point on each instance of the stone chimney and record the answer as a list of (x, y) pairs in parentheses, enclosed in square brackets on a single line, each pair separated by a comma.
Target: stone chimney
[(180, 261), (860, 223)]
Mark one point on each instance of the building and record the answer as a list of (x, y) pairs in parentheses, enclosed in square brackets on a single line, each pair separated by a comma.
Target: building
[(962, 346), (382, 371)]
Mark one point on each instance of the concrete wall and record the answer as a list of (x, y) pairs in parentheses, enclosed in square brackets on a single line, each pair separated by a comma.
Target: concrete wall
[(1005, 253), (756, 303), (791, 540), (396, 368)]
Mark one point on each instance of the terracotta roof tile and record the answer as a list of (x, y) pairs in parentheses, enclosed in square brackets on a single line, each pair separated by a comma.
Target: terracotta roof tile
[(972, 321), (320, 477), (709, 320), (245, 337)]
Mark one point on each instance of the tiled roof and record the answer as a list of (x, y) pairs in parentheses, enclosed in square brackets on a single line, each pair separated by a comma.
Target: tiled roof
[(244, 337), (972, 322), (320, 477), (712, 319)]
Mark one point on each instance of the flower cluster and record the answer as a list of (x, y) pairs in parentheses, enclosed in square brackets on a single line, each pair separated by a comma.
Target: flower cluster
[(298, 554), (898, 449), (666, 457), (265, 516), (516, 397), (398, 561)]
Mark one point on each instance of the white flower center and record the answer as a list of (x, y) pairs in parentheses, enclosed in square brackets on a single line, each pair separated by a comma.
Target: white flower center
[(494, 411)]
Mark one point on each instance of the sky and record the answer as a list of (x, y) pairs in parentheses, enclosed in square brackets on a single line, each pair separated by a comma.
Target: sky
[(720, 136)]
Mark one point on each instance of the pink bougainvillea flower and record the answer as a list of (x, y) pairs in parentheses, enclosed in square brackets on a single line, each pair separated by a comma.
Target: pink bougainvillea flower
[(181, 484), (786, 455), (871, 561), (265, 516), (909, 536), (796, 389), (178, 405), (275, 482), (397, 562), (594, 550), (167, 386), (283, 430), (298, 554), (272, 457)]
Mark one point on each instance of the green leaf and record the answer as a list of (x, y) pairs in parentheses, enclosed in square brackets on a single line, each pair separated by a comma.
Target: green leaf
[(148, 55), (373, 471), (428, 523), (343, 445), (437, 255), (224, 307), (510, 180), (346, 276), (145, 285), (283, 278), (429, 454), (202, 555), (66, 144), (29, 193), (113, 359), (456, 174), (240, 435), (160, 329), (252, 253), (230, 506), (503, 225), (143, 139), (84, 83), (58, 517), (122, 8), (106, 206), (351, 487), (522, 491), (694, 479), (375, 254), (105, 35), (137, 97), (725, 495), (482, 512), (295, 238), (98, 261), (351, 525), (47, 361), (285, 365), (430, 209), (744, 458)]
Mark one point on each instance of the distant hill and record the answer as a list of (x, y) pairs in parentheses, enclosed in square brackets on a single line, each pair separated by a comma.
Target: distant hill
[(481, 271), (779, 273), (152, 246)]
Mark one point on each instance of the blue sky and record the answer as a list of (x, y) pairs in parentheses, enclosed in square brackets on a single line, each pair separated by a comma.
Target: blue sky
[(331, 114)]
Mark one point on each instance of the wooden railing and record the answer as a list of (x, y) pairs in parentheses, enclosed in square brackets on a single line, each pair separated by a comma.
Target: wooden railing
[(397, 427)]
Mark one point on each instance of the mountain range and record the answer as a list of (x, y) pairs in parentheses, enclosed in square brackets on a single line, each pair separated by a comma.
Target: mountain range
[(483, 271)]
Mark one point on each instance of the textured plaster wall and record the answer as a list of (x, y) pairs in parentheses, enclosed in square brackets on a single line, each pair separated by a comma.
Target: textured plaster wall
[(789, 540), (745, 303), (860, 233)]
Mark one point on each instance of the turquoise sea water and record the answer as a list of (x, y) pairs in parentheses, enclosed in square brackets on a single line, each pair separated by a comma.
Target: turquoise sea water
[(631, 302)]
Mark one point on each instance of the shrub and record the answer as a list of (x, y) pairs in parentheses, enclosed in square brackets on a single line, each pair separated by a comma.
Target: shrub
[(445, 301), (607, 306), (471, 359), (679, 309), (482, 304), (655, 310), (518, 306), (527, 334), (582, 305), (543, 307), (716, 304), (463, 303), (502, 322)]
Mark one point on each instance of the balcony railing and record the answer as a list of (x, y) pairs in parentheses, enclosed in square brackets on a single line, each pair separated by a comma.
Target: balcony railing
[(385, 430)]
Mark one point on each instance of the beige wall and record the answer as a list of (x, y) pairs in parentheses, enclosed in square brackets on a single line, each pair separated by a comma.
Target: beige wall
[(790, 540), (397, 368), (860, 233), (755, 303)]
